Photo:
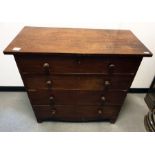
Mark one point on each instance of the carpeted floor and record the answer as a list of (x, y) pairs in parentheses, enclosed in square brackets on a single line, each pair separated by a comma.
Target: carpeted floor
[(16, 115)]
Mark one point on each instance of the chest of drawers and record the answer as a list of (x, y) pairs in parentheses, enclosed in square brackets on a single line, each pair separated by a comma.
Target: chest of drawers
[(77, 74)]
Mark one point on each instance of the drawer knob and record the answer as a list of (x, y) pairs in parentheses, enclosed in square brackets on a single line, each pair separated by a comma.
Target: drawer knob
[(49, 83), (111, 68), (46, 67), (107, 83), (51, 98), (53, 112), (100, 111), (103, 98)]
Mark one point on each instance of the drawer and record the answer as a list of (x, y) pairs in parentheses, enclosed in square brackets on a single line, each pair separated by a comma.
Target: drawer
[(79, 82), (76, 97), (97, 112), (76, 64), (72, 113)]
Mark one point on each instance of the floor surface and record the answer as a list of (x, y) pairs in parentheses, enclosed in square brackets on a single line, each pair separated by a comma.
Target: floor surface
[(16, 115)]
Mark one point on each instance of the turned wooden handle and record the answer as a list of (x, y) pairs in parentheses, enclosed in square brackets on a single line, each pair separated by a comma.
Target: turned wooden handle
[(51, 98), (111, 66), (49, 83), (51, 101), (100, 111), (107, 83), (53, 112), (46, 68), (103, 98)]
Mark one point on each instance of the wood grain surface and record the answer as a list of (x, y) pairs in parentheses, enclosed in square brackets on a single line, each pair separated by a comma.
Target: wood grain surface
[(76, 41)]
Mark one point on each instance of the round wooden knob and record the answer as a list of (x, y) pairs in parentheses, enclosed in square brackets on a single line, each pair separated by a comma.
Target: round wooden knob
[(100, 112), (51, 98), (53, 111), (107, 83), (46, 67), (103, 98), (111, 66), (49, 83)]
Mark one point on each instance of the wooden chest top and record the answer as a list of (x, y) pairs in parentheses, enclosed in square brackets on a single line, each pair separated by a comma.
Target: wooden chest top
[(42, 40)]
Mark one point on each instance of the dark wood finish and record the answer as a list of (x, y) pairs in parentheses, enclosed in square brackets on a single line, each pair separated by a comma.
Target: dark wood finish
[(76, 97), (75, 113), (23, 89), (77, 41), (77, 74), (31, 64), (79, 82)]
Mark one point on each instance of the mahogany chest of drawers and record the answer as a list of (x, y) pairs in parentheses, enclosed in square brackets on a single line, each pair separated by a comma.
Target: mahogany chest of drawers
[(77, 74)]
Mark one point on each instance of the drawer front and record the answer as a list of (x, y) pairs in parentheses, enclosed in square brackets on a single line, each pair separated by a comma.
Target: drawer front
[(97, 112), (79, 82), (59, 112), (76, 97), (72, 113), (76, 64)]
